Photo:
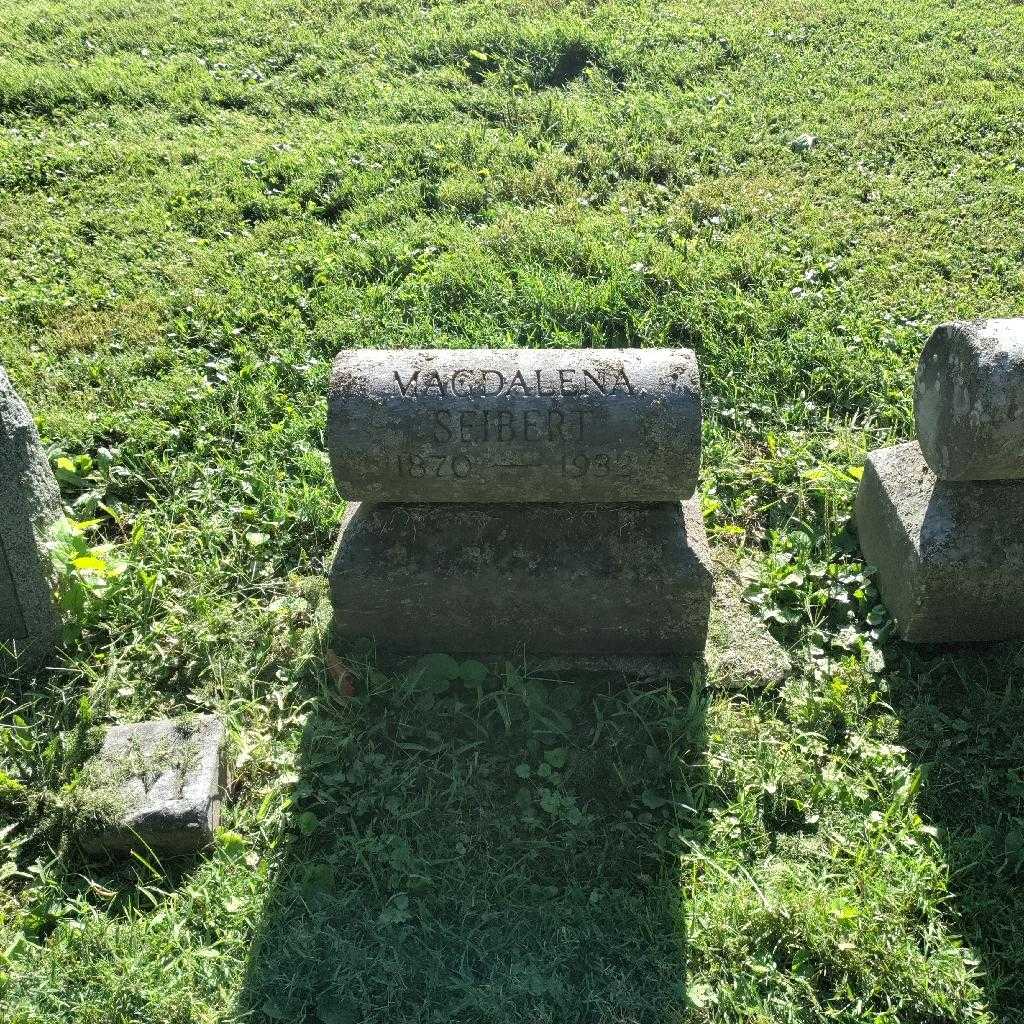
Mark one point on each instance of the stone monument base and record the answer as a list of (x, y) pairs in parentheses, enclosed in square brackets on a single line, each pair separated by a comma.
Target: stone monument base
[(950, 555), (551, 580)]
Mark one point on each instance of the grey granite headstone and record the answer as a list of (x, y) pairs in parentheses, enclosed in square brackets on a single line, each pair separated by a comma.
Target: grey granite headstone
[(29, 506), (515, 425), (156, 784), (950, 555), (493, 579), (969, 400)]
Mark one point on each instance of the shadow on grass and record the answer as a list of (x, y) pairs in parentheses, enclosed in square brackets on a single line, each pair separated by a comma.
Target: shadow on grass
[(962, 719), (472, 847)]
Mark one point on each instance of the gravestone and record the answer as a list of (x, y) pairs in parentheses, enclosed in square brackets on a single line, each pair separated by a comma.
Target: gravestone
[(969, 400), (943, 519), (520, 502), (515, 425), (155, 785), (29, 506)]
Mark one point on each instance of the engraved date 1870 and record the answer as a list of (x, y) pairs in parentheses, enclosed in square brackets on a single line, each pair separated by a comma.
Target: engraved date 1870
[(450, 467)]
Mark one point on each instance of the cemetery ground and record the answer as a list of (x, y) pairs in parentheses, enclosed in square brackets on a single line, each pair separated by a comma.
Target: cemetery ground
[(201, 202)]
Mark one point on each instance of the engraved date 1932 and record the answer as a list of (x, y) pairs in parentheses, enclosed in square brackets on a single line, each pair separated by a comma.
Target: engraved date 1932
[(575, 467)]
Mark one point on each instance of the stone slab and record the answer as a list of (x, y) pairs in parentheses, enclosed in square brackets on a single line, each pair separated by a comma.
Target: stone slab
[(950, 555), (969, 400), (742, 654), (29, 506), (556, 579), (158, 784), (515, 425)]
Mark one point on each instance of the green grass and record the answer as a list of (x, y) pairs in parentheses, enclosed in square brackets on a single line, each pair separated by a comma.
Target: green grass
[(201, 202)]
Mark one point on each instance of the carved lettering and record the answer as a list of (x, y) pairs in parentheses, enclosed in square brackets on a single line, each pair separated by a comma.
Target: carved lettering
[(442, 428), (503, 424), (541, 393), (410, 386), (530, 424), (484, 374), (556, 420), (481, 426), (577, 466), (433, 380), (518, 382), (574, 465), (620, 380), (493, 384)]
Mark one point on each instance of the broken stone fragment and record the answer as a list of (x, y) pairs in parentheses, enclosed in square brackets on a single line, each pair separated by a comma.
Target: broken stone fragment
[(969, 400), (741, 652), (950, 555), (29, 506), (154, 785)]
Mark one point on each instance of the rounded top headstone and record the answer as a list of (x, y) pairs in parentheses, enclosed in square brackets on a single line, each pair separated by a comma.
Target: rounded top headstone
[(515, 425), (969, 400)]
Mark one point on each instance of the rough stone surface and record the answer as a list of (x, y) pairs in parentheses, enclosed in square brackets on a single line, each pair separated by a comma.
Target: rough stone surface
[(541, 579), (29, 505), (741, 653), (950, 555), (164, 779), (515, 425), (969, 400)]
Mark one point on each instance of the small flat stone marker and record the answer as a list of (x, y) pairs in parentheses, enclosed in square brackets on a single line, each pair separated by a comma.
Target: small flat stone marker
[(950, 555), (515, 425), (969, 400), (496, 579), (29, 506), (156, 784)]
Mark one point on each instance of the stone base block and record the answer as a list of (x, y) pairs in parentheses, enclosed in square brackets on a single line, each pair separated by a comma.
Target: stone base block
[(950, 555), (545, 579), (157, 785)]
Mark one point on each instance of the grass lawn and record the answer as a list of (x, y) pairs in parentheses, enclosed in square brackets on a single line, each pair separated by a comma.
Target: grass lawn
[(200, 202)]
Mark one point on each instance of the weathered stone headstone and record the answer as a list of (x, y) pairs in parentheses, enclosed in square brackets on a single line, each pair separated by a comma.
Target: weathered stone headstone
[(969, 400), (511, 425), (943, 520), (155, 785), (29, 506), (521, 503)]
